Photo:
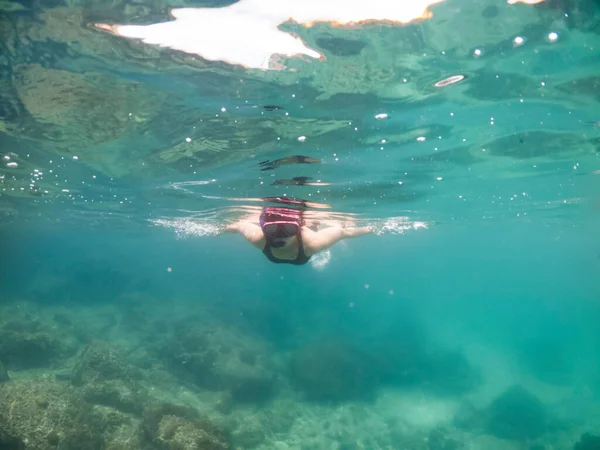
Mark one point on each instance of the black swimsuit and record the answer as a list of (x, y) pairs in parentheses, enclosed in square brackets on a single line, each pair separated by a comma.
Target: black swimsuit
[(300, 259)]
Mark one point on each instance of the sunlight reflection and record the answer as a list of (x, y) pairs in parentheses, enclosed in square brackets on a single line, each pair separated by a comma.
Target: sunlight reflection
[(246, 33)]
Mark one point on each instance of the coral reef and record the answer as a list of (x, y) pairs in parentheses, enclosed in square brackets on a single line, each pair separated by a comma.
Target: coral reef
[(115, 393), (107, 379), (98, 404), (219, 358), (259, 427), (27, 343), (99, 361), (45, 415), (121, 431), (48, 415)]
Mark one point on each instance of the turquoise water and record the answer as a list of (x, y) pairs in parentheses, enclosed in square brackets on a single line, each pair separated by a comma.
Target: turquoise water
[(468, 319)]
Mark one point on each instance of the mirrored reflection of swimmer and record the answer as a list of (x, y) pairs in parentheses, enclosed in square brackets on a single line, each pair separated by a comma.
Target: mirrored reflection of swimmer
[(299, 181), (295, 159), (284, 236)]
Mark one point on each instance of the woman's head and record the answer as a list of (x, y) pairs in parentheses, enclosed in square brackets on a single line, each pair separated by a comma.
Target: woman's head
[(280, 224), (280, 234)]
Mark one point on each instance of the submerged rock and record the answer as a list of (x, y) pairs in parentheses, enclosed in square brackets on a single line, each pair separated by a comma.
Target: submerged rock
[(121, 431), (249, 433), (439, 440), (122, 395), (27, 342), (468, 417), (337, 369), (174, 427), (107, 379), (221, 358), (333, 370), (257, 430), (404, 359), (517, 415), (26, 349), (588, 442), (99, 361)]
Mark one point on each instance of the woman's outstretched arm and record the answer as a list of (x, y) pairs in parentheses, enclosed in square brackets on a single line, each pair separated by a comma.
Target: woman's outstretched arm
[(320, 240), (252, 232)]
